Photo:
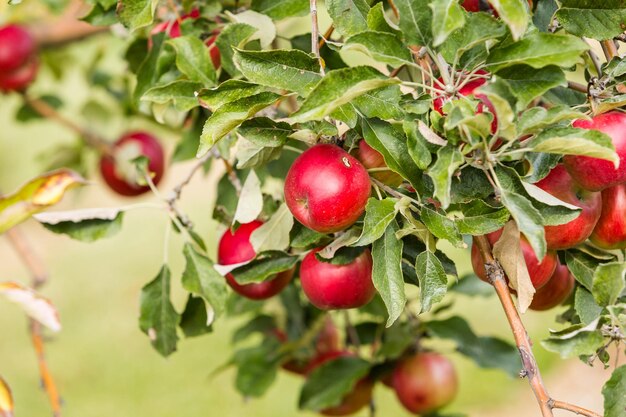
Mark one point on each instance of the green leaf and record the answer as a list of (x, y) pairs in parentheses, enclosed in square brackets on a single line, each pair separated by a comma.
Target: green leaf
[(582, 267), (448, 16), (514, 13), (417, 145), (274, 234), (391, 142), (614, 392), (135, 14), (231, 115), (26, 112), (586, 306), (378, 215), (487, 352), (193, 60), (338, 88), (528, 218), (181, 93), (264, 268), (432, 278), (377, 20), (527, 83), (592, 19), (265, 132), (233, 35), (415, 21), (382, 46), (449, 158), (349, 16), (250, 203), (387, 272), (538, 118), (36, 195), (478, 218), (265, 27), (291, 70), (158, 318), (83, 225), (581, 343), (383, 103), (573, 141), (253, 155), (193, 321), (539, 50), (479, 28), (200, 278), (257, 368), (608, 283), (150, 69), (280, 9), (327, 385), (227, 92), (442, 227)]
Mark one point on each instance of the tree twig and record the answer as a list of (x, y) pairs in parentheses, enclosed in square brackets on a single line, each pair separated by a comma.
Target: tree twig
[(594, 58), (315, 46), (39, 277), (394, 8), (326, 35), (530, 370), (577, 87), (609, 49), (49, 112)]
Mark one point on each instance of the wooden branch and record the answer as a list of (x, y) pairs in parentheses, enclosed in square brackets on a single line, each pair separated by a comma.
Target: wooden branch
[(530, 370), (609, 49), (39, 277), (49, 112), (394, 8), (577, 87), (315, 34), (326, 35)]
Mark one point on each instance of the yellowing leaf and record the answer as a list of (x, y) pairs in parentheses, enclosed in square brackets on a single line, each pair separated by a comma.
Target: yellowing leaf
[(6, 399), (508, 252), (33, 304), (35, 196)]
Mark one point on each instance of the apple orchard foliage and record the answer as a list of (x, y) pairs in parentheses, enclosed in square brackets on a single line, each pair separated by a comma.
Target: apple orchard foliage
[(477, 112)]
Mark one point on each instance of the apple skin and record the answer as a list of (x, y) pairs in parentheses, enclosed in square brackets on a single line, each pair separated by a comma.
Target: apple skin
[(326, 188), (468, 90), (216, 58), (597, 174), (371, 158), (483, 6), (329, 286), (360, 396), (21, 78), (540, 272), (610, 232), (148, 146), (425, 382), (558, 288), (17, 47), (235, 248), (560, 184)]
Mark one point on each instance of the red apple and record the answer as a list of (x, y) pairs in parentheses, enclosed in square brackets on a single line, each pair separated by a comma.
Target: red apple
[(558, 288), (17, 47), (330, 286), (214, 51), (326, 188), (20, 78), (425, 382), (328, 339), (468, 90), (610, 232), (119, 171), (561, 185), (371, 158), (483, 6), (540, 272), (358, 398), (235, 248), (597, 174)]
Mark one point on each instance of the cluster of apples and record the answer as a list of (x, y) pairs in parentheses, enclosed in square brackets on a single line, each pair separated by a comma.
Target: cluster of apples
[(599, 190), (18, 58), (422, 381)]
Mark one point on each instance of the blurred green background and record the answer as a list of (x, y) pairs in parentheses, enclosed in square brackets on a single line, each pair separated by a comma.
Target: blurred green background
[(105, 366)]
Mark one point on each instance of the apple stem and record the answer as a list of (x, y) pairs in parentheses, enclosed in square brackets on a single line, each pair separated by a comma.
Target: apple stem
[(39, 277), (351, 330), (315, 46), (530, 370), (47, 111), (394, 8)]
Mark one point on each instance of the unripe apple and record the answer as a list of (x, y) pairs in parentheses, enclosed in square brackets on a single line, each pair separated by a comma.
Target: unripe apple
[(610, 232), (561, 185), (326, 188), (425, 382), (120, 173), (540, 272), (468, 90), (330, 286), (371, 158), (558, 288), (359, 397), (17, 47), (235, 248), (597, 174), (20, 78)]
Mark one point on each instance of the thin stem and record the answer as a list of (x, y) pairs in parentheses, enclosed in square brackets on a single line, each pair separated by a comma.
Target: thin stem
[(327, 35), (393, 192), (292, 149), (176, 192), (352, 334), (577, 87), (574, 409), (609, 49), (395, 72), (394, 9), (315, 46), (39, 275), (594, 59)]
